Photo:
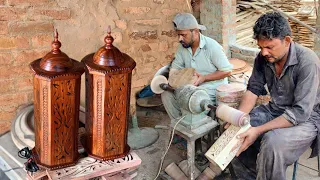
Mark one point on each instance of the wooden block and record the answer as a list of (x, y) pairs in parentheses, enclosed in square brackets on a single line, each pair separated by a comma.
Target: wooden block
[(222, 151), (182, 77)]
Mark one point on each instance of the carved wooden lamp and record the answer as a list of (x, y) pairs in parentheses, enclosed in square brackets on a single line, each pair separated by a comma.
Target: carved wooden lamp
[(108, 86), (56, 108)]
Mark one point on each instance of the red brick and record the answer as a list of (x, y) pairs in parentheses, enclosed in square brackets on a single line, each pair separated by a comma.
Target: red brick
[(12, 100), (26, 2), (24, 71), (43, 40), (22, 42), (22, 58), (50, 14), (30, 27), (6, 124), (9, 13), (24, 84), (15, 72), (3, 27), (10, 108), (7, 43), (14, 42), (5, 59), (9, 86), (5, 72)]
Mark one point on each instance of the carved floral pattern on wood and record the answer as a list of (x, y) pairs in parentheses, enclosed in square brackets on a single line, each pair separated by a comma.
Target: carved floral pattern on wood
[(88, 167), (115, 111), (224, 139), (63, 118)]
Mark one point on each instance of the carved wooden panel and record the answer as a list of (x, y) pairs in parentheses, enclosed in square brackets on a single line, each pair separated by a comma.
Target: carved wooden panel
[(56, 121), (226, 146), (116, 103), (64, 120), (108, 102)]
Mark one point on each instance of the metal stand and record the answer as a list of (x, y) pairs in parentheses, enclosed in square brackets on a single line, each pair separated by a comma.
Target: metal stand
[(141, 137)]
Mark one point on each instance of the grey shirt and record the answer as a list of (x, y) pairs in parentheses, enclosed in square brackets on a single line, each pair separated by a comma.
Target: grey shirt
[(296, 93)]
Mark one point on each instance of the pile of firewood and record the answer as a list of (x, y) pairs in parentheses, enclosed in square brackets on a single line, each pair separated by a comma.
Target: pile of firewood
[(286, 5), (301, 34), (248, 11)]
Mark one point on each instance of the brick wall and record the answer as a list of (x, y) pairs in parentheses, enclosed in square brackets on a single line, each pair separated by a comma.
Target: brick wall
[(141, 28), (26, 28), (147, 27)]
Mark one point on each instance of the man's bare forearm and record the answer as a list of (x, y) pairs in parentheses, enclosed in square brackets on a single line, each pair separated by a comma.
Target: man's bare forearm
[(279, 122), (248, 102), (216, 75)]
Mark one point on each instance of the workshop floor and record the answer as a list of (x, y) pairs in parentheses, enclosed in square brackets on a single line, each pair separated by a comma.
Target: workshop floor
[(151, 155), (307, 168)]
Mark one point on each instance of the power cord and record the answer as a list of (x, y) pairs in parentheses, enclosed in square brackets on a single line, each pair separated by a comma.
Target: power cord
[(30, 165), (170, 141)]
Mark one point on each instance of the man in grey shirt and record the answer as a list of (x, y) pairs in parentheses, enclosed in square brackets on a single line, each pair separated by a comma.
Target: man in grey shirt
[(288, 125)]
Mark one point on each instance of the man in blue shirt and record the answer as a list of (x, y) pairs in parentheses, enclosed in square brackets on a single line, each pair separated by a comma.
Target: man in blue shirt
[(200, 52)]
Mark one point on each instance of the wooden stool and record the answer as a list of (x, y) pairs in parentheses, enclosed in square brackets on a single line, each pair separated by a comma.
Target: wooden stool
[(88, 167), (191, 136)]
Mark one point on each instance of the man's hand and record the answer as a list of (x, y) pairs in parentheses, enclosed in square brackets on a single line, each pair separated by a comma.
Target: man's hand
[(199, 79), (227, 125), (248, 138)]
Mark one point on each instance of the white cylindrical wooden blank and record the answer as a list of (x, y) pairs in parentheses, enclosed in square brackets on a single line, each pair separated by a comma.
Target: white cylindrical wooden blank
[(231, 115)]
